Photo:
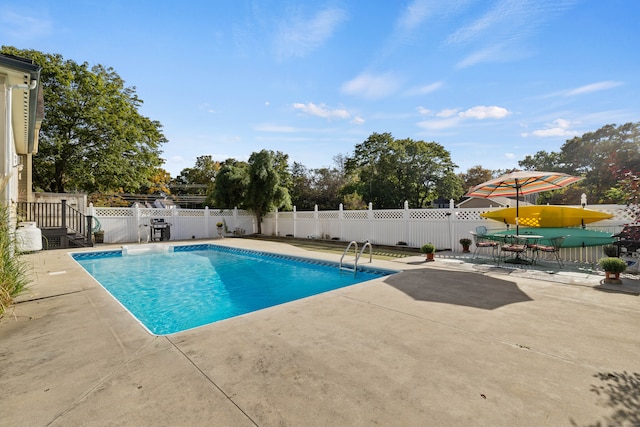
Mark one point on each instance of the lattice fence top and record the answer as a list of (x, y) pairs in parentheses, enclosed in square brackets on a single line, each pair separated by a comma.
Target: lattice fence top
[(620, 213), (328, 214), (394, 214), (220, 212), (155, 212), (113, 212), (468, 215), (431, 214), (629, 215), (190, 212), (305, 215), (355, 214)]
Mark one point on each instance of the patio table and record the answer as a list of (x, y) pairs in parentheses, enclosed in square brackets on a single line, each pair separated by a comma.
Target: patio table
[(518, 248)]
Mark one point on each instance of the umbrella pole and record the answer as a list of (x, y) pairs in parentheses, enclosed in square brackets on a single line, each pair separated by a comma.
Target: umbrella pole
[(517, 209), (517, 212)]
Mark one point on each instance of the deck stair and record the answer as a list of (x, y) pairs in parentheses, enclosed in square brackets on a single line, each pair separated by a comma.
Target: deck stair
[(62, 226)]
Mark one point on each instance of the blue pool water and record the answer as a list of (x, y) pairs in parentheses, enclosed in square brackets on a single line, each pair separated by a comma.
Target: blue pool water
[(195, 285)]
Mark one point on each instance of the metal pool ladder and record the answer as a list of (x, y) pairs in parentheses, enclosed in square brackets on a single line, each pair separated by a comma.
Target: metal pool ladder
[(357, 256)]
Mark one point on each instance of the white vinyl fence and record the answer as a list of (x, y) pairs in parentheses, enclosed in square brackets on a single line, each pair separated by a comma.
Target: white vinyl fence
[(410, 227)]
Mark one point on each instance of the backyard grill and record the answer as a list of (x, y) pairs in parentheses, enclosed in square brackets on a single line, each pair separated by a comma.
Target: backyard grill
[(160, 230)]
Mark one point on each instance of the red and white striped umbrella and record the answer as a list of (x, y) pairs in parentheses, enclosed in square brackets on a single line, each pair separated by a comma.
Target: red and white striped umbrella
[(522, 182)]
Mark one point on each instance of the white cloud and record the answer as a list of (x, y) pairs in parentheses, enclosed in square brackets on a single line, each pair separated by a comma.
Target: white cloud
[(509, 155), (559, 127), (268, 127), (482, 112), (451, 117), (372, 86), (450, 112), (497, 35), (206, 107), (439, 124), (301, 36), (424, 111), (23, 27), (357, 120), (509, 19), (413, 15), (487, 54), (593, 87), (322, 111), (423, 90)]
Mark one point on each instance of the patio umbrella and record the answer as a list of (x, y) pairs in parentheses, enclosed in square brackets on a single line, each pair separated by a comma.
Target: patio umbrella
[(520, 183)]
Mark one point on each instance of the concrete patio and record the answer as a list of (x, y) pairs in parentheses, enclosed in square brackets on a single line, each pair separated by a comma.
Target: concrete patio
[(443, 343)]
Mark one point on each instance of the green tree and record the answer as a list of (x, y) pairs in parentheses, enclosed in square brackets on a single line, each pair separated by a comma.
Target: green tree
[(230, 185), (301, 191), (321, 187), (542, 161), (92, 137), (426, 172), (200, 178), (391, 171), (158, 183), (603, 157), (475, 175), (372, 163), (327, 184), (265, 192)]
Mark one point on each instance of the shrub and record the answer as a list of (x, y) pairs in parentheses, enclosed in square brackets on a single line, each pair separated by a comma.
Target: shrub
[(428, 248), (13, 270), (613, 264)]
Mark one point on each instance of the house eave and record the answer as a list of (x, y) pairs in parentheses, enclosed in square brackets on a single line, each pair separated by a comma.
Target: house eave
[(25, 112)]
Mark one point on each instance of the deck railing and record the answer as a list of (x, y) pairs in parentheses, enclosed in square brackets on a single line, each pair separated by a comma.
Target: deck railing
[(57, 216)]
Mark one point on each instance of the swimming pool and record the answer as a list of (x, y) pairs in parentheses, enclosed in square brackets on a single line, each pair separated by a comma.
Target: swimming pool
[(183, 287)]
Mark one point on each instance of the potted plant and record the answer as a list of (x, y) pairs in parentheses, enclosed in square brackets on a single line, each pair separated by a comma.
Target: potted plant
[(465, 244), (98, 236), (612, 267), (219, 226), (428, 249)]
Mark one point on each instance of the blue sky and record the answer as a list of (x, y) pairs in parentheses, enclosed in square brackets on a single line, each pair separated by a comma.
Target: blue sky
[(490, 80)]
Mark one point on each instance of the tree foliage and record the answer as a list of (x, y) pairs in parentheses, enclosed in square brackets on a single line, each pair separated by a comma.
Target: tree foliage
[(474, 176), (200, 178), (92, 137), (265, 191), (390, 171), (230, 185), (316, 187), (604, 157), (203, 172), (158, 183)]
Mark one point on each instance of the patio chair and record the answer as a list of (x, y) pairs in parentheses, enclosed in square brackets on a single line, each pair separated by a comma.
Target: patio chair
[(484, 244), (513, 247), (552, 248)]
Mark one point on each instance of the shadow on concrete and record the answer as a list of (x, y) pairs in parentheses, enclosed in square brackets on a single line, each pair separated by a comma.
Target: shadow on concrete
[(459, 288), (624, 287), (619, 391)]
